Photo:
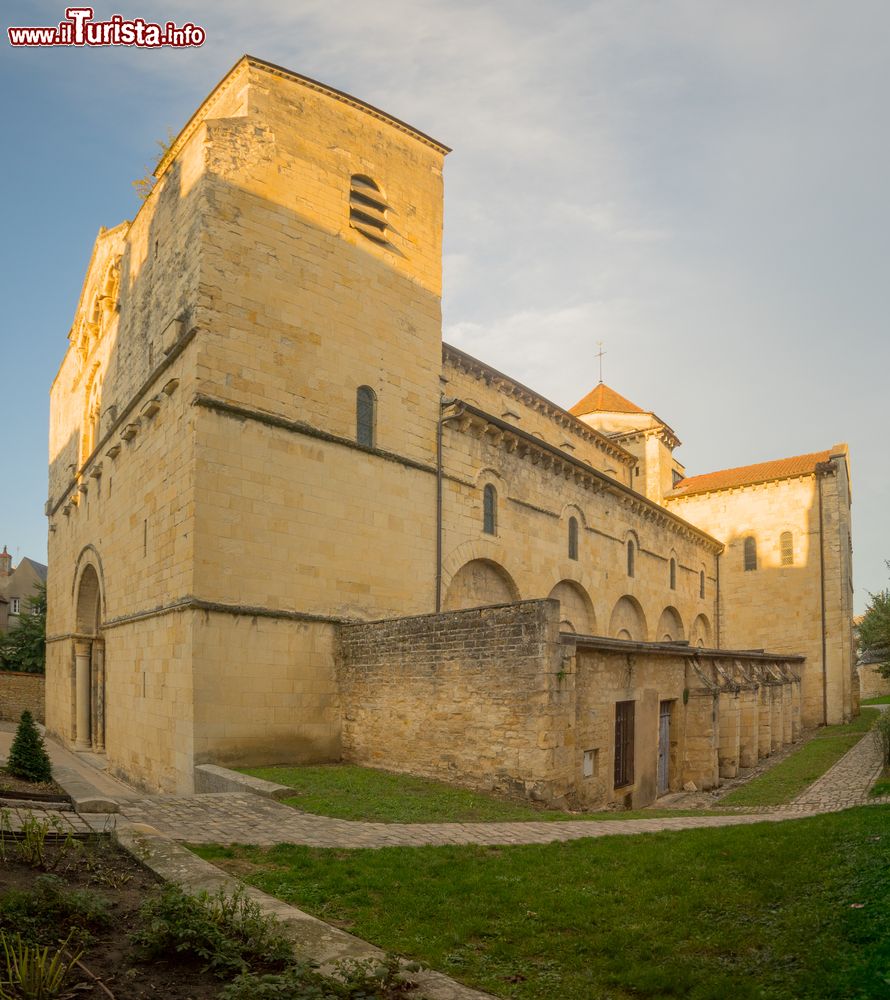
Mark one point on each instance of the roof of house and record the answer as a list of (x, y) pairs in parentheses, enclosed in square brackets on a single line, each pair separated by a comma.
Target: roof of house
[(749, 475), (604, 398), (38, 568)]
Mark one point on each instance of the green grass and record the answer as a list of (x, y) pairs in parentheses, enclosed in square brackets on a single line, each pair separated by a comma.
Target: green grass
[(346, 791), (882, 785), (883, 700), (798, 910), (791, 776)]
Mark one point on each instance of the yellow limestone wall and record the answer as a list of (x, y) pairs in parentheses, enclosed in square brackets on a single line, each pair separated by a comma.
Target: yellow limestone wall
[(531, 543), (234, 523), (780, 607)]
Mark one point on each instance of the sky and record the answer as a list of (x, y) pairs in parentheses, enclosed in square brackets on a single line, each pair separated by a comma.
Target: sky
[(700, 186)]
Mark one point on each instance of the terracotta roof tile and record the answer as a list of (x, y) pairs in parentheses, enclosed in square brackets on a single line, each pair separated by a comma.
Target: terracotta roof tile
[(748, 475), (604, 398)]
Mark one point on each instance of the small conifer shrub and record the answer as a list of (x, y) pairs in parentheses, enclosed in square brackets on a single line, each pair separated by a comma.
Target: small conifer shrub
[(28, 758)]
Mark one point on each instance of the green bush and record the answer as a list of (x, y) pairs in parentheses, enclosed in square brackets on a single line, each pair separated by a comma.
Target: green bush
[(227, 934), (352, 980), (42, 914), (28, 758)]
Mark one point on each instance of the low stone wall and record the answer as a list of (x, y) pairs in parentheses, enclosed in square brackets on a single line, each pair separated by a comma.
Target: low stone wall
[(496, 698), (872, 684), (19, 692), (477, 697)]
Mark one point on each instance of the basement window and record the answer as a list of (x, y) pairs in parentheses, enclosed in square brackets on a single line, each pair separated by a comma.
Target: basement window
[(367, 209)]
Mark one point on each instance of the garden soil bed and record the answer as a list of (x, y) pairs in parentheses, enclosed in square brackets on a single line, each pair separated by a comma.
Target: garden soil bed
[(110, 956), (45, 791)]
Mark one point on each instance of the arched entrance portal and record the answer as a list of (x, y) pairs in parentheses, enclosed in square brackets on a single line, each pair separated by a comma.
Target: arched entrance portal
[(89, 665)]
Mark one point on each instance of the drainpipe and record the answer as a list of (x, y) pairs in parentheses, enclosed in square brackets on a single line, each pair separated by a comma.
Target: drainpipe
[(717, 604), (822, 598), (439, 506)]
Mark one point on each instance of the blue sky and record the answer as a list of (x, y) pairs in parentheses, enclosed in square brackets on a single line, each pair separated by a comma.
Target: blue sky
[(700, 185)]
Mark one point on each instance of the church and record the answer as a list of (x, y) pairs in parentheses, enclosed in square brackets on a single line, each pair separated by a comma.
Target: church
[(288, 524)]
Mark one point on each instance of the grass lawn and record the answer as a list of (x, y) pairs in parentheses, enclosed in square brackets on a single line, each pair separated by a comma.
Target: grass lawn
[(346, 791), (883, 700), (789, 778), (882, 785), (798, 910)]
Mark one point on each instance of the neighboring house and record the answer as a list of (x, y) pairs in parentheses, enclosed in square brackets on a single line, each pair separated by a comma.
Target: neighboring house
[(17, 587), (872, 683), (262, 448)]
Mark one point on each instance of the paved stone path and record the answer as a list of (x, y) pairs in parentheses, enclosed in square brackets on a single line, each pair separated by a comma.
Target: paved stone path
[(242, 817), (848, 781)]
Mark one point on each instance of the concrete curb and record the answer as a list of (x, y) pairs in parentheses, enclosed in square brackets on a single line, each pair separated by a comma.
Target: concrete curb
[(313, 939), (84, 797), (212, 778)]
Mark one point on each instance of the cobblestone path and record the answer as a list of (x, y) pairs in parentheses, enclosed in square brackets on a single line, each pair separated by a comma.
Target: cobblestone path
[(242, 817)]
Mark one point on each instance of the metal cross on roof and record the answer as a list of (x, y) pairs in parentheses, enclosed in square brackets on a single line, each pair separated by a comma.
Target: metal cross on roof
[(599, 354)]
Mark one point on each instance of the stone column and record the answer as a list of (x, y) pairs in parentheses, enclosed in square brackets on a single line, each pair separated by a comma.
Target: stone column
[(764, 717), (700, 759), (728, 754), (748, 733), (82, 694), (776, 725), (787, 710), (99, 667), (795, 711)]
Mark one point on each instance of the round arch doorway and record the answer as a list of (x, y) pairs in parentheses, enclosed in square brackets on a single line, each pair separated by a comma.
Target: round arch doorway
[(89, 665)]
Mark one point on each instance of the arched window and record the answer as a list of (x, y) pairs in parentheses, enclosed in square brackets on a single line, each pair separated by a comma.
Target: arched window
[(573, 538), (489, 510), (701, 584), (750, 553), (673, 574), (365, 416), (786, 544), (630, 557)]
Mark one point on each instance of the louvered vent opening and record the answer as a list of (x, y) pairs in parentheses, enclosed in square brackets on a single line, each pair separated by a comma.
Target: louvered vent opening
[(367, 209)]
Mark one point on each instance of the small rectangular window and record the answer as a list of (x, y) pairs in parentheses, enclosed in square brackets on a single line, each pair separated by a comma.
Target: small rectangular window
[(591, 765), (14, 604)]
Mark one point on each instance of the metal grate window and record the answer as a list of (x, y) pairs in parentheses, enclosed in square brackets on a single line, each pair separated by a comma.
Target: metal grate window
[(786, 544), (624, 743), (365, 416), (490, 510), (573, 538), (750, 553)]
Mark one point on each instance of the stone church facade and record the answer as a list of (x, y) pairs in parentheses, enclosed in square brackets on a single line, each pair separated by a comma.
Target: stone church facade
[(288, 524)]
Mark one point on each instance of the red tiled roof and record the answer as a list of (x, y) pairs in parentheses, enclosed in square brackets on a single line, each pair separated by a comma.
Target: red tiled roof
[(604, 398), (747, 475)]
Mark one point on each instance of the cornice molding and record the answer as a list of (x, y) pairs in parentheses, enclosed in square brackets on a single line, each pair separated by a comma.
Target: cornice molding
[(466, 418), (491, 376)]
